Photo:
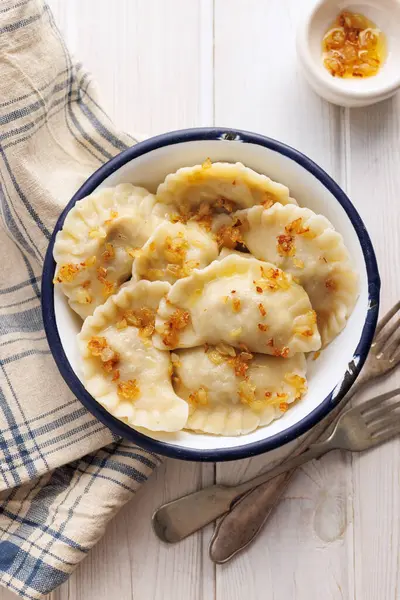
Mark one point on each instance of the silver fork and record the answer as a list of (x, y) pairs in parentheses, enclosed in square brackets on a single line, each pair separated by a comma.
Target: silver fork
[(172, 523), (360, 428)]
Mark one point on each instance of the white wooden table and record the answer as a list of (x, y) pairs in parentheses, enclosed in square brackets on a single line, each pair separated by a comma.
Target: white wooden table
[(169, 64)]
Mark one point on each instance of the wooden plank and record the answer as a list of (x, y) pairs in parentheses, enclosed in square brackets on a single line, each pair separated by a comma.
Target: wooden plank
[(258, 87), (373, 175), (258, 84), (151, 59)]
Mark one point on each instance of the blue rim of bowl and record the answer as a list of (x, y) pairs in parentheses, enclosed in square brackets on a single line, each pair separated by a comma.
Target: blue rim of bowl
[(253, 448)]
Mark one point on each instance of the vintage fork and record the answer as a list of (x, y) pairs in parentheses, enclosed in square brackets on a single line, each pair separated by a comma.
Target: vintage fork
[(172, 522), (359, 428)]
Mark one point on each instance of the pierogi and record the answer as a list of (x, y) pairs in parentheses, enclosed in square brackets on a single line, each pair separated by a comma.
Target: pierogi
[(95, 249), (173, 251), (231, 392), (120, 365), (221, 186), (306, 245), (242, 302)]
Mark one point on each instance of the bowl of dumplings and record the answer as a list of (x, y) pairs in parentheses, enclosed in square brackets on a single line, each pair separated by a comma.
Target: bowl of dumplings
[(210, 294)]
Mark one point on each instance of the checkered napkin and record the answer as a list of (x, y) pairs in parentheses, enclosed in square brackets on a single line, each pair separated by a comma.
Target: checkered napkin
[(63, 475)]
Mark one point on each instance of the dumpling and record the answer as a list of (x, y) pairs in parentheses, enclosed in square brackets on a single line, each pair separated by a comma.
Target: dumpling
[(94, 250), (122, 369), (173, 251), (306, 245), (231, 392), (222, 186), (239, 301)]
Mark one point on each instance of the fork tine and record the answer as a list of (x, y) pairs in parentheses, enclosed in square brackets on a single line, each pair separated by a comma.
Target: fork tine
[(385, 320), (380, 438), (392, 347), (384, 424), (366, 407), (385, 336), (380, 410)]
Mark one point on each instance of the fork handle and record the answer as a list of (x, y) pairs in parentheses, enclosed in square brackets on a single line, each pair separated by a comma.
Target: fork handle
[(176, 520), (238, 528), (180, 518)]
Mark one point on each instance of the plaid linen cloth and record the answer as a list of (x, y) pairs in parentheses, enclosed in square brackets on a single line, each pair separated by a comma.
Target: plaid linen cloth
[(63, 475)]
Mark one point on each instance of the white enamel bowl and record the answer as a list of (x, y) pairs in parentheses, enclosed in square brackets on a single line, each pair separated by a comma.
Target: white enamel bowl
[(329, 377)]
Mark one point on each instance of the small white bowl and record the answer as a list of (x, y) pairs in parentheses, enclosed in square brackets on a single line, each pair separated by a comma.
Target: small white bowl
[(350, 92), (329, 377)]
